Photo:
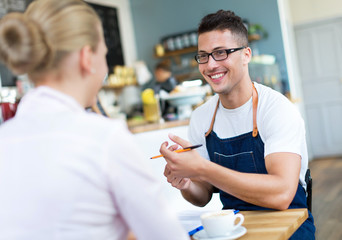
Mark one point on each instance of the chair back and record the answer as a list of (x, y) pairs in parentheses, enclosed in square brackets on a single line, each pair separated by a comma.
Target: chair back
[(7, 110), (308, 180)]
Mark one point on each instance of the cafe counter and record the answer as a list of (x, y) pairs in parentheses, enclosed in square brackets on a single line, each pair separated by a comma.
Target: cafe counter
[(143, 126)]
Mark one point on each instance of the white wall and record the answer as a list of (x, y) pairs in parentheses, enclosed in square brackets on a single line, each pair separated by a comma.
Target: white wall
[(305, 11)]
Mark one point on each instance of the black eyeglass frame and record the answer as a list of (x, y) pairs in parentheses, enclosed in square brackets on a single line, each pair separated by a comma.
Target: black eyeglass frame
[(228, 51)]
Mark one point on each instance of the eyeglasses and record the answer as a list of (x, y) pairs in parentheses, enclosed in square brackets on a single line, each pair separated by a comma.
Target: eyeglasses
[(218, 55)]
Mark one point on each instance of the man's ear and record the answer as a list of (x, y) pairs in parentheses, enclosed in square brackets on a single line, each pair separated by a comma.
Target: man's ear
[(247, 55), (86, 62)]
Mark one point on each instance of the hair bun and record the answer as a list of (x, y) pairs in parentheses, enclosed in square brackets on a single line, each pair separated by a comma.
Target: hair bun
[(23, 47)]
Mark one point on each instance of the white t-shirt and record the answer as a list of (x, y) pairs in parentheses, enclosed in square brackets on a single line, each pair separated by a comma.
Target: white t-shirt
[(69, 174), (280, 125)]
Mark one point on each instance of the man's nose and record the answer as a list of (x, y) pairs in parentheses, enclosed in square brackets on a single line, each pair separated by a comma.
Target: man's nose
[(212, 63)]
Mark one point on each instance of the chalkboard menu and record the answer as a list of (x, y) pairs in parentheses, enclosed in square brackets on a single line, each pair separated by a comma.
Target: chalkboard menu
[(7, 6), (111, 30)]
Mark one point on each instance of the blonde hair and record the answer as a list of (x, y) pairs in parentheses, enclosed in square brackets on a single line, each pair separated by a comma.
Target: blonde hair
[(37, 40)]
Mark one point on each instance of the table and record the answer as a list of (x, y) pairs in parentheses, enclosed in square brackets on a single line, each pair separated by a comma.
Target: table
[(269, 225), (273, 225)]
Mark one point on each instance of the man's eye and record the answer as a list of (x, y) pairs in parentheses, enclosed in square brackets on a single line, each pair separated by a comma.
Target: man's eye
[(220, 52), (202, 56)]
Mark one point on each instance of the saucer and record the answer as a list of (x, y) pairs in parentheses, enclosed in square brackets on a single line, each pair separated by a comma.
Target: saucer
[(202, 235)]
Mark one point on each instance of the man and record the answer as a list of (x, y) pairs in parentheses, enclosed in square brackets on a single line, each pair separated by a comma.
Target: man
[(163, 78), (253, 136)]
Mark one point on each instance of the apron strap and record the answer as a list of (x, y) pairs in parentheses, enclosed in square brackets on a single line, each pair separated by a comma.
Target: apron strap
[(213, 119), (255, 106)]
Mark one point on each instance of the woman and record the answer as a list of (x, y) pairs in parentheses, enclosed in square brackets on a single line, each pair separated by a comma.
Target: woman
[(66, 173)]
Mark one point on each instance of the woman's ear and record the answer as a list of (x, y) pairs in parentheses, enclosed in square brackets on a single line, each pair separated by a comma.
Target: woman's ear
[(86, 62)]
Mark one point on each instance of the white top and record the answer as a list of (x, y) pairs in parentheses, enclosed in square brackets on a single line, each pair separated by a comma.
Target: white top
[(69, 174), (280, 125)]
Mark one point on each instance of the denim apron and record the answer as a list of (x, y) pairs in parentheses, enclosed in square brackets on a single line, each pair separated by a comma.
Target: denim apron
[(245, 153)]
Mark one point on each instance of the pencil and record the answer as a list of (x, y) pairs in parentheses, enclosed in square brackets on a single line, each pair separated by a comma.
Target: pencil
[(181, 150)]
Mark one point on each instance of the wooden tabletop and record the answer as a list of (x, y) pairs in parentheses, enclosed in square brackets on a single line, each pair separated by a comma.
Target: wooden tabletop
[(145, 127), (269, 225), (273, 225)]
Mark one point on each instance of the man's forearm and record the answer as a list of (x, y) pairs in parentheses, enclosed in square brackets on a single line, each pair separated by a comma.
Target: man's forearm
[(198, 193)]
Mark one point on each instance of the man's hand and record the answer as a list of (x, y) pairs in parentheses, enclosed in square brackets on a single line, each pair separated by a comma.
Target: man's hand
[(182, 165), (183, 171), (179, 183)]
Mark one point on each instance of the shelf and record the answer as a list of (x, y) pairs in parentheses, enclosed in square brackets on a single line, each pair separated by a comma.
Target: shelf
[(188, 76), (113, 87), (254, 37), (116, 87), (177, 53)]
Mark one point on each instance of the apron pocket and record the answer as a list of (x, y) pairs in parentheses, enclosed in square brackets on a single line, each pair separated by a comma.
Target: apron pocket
[(242, 162)]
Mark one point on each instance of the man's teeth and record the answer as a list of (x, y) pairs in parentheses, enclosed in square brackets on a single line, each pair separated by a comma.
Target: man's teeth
[(217, 76)]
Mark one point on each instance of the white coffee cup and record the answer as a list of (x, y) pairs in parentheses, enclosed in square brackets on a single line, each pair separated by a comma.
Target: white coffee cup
[(220, 223)]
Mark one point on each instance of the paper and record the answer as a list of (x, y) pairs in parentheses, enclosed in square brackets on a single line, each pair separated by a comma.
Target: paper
[(190, 219)]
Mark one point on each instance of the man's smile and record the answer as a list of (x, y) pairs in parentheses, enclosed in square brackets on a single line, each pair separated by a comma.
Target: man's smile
[(216, 77)]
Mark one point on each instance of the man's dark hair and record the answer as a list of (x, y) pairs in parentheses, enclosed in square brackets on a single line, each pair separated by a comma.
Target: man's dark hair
[(165, 65), (225, 20)]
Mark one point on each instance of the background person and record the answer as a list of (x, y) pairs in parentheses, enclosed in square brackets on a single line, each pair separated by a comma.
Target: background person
[(163, 78), (253, 136), (163, 81), (66, 173)]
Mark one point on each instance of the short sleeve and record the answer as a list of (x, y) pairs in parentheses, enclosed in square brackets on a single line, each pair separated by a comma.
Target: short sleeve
[(283, 129)]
